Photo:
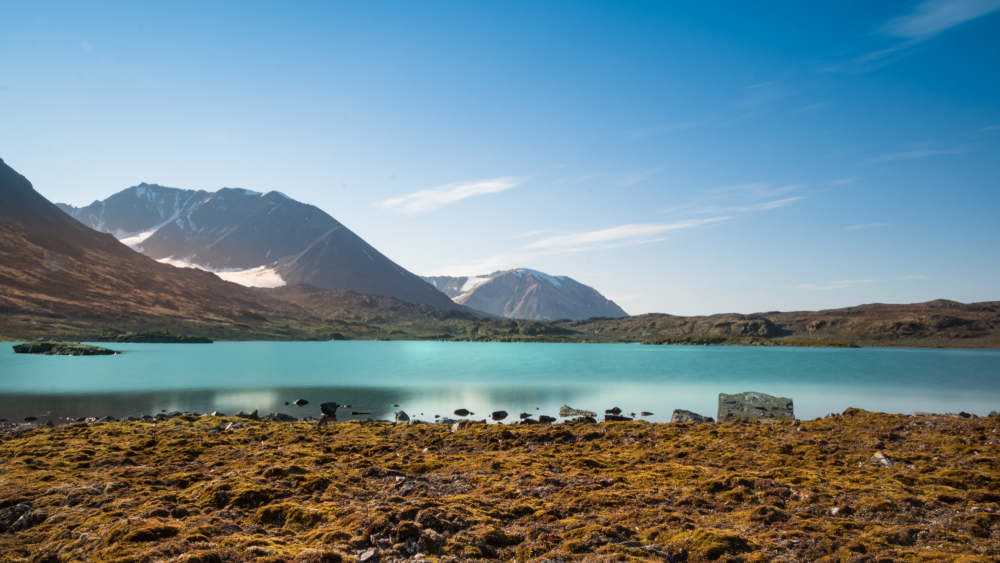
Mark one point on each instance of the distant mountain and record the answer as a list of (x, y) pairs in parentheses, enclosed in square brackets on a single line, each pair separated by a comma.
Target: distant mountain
[(254, 239), (527, 294)]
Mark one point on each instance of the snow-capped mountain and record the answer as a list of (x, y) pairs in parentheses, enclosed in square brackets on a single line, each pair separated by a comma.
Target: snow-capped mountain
[(252, 238), (527, 294)]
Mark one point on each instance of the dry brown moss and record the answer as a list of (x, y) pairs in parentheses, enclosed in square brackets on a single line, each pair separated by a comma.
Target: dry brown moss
[(184, 490)]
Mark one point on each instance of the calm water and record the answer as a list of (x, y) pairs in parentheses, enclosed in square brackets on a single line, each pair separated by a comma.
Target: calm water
[(428, 378)]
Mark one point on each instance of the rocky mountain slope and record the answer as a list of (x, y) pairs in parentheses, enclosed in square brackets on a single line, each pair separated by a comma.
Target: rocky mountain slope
[(528, 294), (252, 238), (59, 276)]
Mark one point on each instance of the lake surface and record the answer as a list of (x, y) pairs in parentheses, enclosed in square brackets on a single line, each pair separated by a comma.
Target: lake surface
[(435, 378)]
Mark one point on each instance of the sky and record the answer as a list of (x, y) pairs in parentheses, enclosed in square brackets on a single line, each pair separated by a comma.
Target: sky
[(686, 159)]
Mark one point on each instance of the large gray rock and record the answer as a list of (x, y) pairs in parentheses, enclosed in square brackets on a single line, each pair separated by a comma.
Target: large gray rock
[(754, 406), (681, 415), (251, 415), (329, 409), (402, 417), (499, 415), (566, 412), (280, 417)]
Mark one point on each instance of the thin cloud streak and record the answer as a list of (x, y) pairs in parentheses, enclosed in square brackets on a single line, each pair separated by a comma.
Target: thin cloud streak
[(934, 16), (623, 232), (832, 285), (911, 155), (868, 226), (436, 198)]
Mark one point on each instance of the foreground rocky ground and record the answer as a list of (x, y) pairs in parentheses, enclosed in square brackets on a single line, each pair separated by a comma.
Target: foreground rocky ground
[(190, 490)]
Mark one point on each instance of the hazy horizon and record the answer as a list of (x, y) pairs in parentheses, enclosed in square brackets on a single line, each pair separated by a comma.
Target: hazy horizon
[(685, 160)]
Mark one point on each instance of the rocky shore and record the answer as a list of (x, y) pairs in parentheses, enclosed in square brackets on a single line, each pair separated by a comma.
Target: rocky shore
[(62, 349), (858, 487)]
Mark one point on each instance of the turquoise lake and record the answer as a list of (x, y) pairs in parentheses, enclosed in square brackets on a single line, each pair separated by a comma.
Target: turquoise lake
[(435, 378)]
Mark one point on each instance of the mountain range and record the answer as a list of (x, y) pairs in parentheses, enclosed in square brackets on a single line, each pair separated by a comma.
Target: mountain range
[(527, 294), (252, 238)]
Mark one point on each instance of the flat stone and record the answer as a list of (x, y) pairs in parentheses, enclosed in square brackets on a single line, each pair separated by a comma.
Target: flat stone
[(280, 417), (567, 412), (251, 415), (882, 459), (546, 419), (754, 406), (616, 418), (499, 415), (370, 556), (462, 412), (300, 402), (681, 415), (402, 417)]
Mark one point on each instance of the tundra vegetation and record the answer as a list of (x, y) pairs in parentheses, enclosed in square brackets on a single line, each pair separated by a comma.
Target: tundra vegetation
[(861, 487)]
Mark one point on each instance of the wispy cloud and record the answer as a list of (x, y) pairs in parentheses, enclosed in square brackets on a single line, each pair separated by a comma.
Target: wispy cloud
[(652, 131), (934, 16), (739, 198), (843, 181), (636, 178), (832, 285), (868, 226), (849, 283), (629, 234), (993, 128), (436, 198), (768, 204), (911, 155)]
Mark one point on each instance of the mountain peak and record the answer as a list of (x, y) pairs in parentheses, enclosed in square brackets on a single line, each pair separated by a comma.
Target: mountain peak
[(523, 293)]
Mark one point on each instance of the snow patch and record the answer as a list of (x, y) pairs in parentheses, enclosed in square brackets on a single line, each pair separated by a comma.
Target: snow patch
[(261, 276), (281, 194), (140, 191), (134, 240), (368, 255), (473, 283), (546, 277), (250, 192)]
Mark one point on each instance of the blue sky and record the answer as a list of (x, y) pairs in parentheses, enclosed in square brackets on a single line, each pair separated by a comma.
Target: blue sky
[(715, 157)]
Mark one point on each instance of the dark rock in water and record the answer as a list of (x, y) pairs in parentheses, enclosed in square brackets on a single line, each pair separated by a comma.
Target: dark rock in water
[(108, 418), (616, 418), (681, 415), (582, 420), (49, 423), (646, 413), (615, 410), (524, 415), (30, 418), (279, 417), (754, 406), (402, 417), (356, 413), (329, 409), (251, 415), (462, 412), (527, 421), (437, 416), (499, 415), (546, 419), (214, 413), (566, 412), (396, 406), (301, 403), (62, 349), (286, 403)]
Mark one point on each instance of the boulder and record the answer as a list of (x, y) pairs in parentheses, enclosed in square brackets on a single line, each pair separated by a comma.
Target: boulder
[(615, 410), (251, 415), (646, 413), (217, 413), (446, 420), (527, 421), (546, 419), (993, 414), (402, 417), (499, 415), (463, 424), (881, 459), (300, 402), (567, 412), (462, 412), (616, 418), (681, 415), (370, 556), (754, 406), (524, 415), (582, 420), (329, 409), (280, 417)]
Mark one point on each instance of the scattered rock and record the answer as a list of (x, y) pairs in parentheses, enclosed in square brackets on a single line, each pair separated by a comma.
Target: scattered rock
[(402, 417), (357, 413), (544, 419), (463, 424), (882, 459), (524, 415), (251, 415), (216, 413), (841, 511), (499, 415), (62, 349), (280, 417), (49, 424), (329, 409), (681, 415), (754, 406), (582, 420), (615, 410), (463, 412), (567, 412), (30, 418), (616, 418), (370, 556), (646, 413), (446, 420), (300, 402)]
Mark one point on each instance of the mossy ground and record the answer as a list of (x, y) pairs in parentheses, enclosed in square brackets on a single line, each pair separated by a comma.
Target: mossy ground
[(186, 490)]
